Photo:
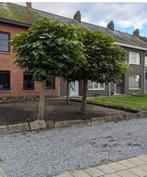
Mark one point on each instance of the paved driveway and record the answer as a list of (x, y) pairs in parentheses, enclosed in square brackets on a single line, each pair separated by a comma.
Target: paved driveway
[(47, 153)]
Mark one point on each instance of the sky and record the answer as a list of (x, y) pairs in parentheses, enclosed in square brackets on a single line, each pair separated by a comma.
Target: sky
[(126, 16)]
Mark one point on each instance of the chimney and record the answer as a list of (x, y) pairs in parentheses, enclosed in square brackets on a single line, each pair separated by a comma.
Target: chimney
[(136, 32), (77, 16), (29, 5), (111, 25)]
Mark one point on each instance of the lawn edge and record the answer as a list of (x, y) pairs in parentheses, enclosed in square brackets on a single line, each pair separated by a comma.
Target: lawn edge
[(109, 106)]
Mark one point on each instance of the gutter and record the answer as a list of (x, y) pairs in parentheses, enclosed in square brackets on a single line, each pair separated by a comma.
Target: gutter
[(131, 46), (13, 22)]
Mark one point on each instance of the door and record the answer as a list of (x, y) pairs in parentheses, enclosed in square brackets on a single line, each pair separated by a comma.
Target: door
[(120, 87), (74, 88)]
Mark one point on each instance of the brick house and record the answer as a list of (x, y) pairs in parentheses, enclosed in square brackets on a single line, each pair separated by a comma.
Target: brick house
[(15, 19)]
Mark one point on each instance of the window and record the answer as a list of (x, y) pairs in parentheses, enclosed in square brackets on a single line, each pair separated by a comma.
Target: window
[(50, 84), (146, 76), (96, 86), (134, 58), (145, 60), (4, 80), (4, 42), (28, 82), (134, 82)]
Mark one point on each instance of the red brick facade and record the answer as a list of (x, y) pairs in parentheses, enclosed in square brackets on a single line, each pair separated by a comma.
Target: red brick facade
[(16, 75)]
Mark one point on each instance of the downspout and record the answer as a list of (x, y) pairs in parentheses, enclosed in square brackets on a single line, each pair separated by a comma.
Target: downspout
[(144, 90)]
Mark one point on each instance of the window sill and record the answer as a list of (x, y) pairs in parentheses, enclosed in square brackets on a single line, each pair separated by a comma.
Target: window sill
[(6, 53), (95, 89), (134, 64), (5, 91), (134, 88), (50, 90), (28, 90)]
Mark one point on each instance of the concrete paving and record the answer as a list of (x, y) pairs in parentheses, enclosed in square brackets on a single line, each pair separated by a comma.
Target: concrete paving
[(133, 167), (2, 174)]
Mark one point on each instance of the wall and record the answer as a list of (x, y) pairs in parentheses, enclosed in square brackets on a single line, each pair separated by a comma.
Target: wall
[(16, 74), (135, 69)]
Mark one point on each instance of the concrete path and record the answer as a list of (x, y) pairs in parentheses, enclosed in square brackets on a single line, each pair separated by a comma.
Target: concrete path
[(133, 167), (2, 174)]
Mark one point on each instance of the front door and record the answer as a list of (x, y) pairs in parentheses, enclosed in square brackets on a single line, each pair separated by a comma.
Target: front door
[(74, 88), (120, 87)]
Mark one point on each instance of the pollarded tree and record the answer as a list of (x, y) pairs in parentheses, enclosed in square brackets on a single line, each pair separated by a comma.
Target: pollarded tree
[(49, 48), (104, 61)]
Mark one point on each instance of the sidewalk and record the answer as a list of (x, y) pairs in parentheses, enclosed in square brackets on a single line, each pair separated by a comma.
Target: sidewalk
[(133, 167), (2, 174)]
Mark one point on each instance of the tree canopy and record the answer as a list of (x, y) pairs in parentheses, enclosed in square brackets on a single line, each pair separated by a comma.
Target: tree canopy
[(104, 59), (48, 48)]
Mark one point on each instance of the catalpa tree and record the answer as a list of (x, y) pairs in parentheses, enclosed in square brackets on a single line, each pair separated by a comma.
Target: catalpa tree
[(104, 61), (49, 48)]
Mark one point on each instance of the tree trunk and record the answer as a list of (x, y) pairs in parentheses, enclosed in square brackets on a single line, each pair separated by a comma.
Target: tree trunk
[(67, 98), (84, 97), (41, 102)]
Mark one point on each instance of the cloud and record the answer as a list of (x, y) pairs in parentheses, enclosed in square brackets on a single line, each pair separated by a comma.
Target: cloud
[(102, 23), (125, 15), (125, 23)]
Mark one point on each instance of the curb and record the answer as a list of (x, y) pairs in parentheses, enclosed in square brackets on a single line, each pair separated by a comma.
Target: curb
[(42, 124)]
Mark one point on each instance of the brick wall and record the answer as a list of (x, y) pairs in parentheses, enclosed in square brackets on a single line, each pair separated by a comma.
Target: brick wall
[(16, 75), (135, 69)]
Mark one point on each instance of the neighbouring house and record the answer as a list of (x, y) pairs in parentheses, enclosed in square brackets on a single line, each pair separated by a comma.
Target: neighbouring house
[(15, 19)]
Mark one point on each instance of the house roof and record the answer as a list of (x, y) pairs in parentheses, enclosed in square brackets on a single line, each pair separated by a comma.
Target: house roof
[(23, 16)]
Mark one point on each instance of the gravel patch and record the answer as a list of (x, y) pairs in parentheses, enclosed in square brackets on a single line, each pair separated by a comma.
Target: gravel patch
[(47, 153)]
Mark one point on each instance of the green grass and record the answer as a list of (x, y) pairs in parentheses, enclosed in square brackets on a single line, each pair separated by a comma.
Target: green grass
[(137, 103)]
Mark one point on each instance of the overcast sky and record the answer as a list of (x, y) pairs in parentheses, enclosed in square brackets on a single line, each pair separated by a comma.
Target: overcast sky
[(126, 16)]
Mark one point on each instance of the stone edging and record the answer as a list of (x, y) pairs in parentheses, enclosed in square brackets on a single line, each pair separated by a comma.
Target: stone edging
[(42, 124)]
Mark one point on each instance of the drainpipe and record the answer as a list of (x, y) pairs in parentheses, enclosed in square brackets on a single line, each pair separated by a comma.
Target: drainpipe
[(144, 89)]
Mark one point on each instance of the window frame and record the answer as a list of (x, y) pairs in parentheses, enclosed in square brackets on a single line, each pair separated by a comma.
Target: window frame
[(23, 82), (130, 88), (145, 76), (130, 63), (9, 72), (9, 48), (145, 59), (93, 88)]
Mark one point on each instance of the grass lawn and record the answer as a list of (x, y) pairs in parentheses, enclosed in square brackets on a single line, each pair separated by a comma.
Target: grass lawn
[(122, 102)]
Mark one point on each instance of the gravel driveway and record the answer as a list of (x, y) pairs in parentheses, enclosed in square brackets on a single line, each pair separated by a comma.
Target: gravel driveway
[(46, 153)]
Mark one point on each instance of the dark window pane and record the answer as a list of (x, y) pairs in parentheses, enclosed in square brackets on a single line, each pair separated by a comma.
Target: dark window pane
[(50, 84), (28, 82), (146, 76), (4, 80), (4, 42)]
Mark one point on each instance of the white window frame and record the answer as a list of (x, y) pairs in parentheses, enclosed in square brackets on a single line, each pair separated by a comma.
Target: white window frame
[(137, 88), (145, 61), (93, 87), (138, 58)]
